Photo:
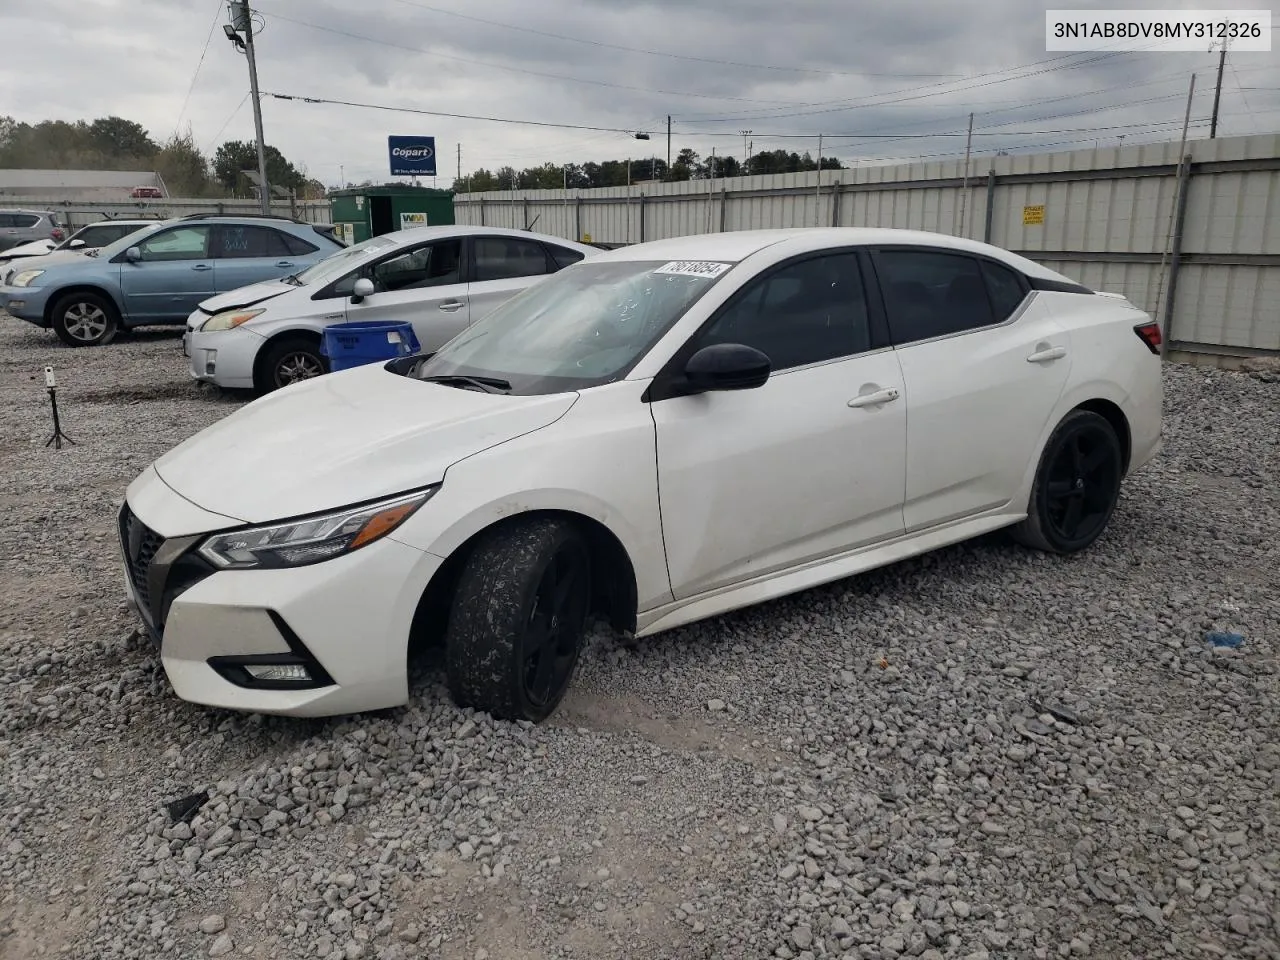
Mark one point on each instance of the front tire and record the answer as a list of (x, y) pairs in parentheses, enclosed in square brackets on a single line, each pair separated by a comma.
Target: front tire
[(518, 619), (85, 320), (290, 360), (1077, 486)]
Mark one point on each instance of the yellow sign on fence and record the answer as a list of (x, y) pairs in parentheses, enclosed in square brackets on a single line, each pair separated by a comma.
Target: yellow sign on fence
[(1033, 216)]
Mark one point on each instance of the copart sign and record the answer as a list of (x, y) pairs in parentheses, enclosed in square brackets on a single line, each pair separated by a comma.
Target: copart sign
[(412, 156)]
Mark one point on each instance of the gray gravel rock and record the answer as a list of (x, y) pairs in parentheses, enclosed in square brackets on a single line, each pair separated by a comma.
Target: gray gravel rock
[(985, 752)]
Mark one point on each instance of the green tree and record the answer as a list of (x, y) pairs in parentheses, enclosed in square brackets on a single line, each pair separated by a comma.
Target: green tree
[(118, 137), (687, 165), (235, 156), (183, 167)]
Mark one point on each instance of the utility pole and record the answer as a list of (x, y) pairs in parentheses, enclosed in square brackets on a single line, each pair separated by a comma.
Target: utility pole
[(1173, 213), (964, 191), (1217, 92), (459, 161), (746, 151), (242, 19), (711, 184), (668, 146), (817, 193)]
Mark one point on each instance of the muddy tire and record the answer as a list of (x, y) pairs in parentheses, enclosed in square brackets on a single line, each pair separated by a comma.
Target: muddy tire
[(1076, 488), (518, 618)]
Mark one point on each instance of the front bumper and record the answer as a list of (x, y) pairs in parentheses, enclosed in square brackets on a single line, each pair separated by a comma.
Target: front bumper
[(225, 358), (25, 303), (347, 620)]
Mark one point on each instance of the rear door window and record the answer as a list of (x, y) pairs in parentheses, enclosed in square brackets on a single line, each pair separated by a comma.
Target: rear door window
[(503, 258), (239, 242), (931, 294), (1005, 289)]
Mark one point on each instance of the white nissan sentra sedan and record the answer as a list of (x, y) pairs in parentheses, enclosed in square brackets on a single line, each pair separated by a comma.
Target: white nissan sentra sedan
[(652, 436)]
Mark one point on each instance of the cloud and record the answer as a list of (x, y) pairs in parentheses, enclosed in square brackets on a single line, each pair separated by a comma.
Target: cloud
[(847, 71)]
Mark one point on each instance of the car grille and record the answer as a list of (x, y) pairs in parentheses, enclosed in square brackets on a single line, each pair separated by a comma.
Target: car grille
[(140, 544)]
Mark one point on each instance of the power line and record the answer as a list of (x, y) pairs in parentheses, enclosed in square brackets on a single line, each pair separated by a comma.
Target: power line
[(235, 113), (853, 103), (453, 116), (663, 53), (199, 63), (770, 136), (489, 64)]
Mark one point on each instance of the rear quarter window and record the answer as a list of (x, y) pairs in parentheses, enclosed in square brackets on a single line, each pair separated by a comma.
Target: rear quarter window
[(563, 256)]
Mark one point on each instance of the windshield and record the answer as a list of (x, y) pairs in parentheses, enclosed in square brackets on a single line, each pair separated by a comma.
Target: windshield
[(337, 263), (587, 325)]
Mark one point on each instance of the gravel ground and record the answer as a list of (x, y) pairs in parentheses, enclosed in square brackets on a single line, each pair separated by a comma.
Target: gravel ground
[(981, 753)]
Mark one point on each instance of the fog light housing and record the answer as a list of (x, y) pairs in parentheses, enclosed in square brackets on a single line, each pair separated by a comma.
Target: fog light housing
[(279, 672), (17, 304), (210, 362)]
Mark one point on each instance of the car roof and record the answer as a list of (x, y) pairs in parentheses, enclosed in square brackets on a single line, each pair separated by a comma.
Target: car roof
[(737, 245), (416, 234)]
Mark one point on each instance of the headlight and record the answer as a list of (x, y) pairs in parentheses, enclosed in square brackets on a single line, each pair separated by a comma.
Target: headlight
[(24, 278), (228, 320), (311, 539)]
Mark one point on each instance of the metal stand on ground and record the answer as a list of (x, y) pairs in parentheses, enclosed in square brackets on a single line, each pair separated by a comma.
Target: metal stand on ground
[(58, 437)]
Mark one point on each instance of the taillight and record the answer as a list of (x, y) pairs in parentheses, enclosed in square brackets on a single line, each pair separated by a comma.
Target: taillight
[(57, 233), (1149, 333)]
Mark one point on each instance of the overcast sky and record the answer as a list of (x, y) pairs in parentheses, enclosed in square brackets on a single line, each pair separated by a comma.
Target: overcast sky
[(772, 66)]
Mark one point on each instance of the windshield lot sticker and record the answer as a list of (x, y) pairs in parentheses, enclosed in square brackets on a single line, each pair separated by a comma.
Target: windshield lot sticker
[(694, 268)]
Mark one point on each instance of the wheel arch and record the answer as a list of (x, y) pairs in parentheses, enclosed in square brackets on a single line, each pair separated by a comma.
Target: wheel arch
[(614, 594), (57, 296), (287, 333), (1110, 411)]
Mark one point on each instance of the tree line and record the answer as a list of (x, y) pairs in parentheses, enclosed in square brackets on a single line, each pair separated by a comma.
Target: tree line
[(114, 143), (688, 165)]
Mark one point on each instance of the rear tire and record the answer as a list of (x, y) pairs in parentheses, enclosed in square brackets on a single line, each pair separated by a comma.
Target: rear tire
[(286, 361), (518, 619), (85, 320), (1076, 488)]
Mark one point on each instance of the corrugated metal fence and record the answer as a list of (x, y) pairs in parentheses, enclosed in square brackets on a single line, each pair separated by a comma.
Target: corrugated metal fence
[(1205, 259)]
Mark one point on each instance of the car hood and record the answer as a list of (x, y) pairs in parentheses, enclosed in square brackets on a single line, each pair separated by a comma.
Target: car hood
[(33, 249), (246, 296), (344, 438), (38, 261)]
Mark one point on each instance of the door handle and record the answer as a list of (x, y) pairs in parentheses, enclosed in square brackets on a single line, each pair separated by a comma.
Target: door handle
[(283, 263), (1044, 353), (202, 266), (876, 398), (449, 306)]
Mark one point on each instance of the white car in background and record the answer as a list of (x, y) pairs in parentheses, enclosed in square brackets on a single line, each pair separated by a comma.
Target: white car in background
[(657, 435), (87, 238), (439, 279)]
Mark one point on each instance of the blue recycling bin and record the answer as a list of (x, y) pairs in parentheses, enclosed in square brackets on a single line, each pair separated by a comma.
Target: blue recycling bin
[(350, 345)]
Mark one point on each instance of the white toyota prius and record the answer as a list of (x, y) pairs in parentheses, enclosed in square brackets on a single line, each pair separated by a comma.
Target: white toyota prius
[(652, 436)]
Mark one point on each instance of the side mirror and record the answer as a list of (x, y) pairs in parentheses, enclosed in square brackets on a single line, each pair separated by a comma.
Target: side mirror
[(75, 244), (133, 254), (727, 366), (361, 289)]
